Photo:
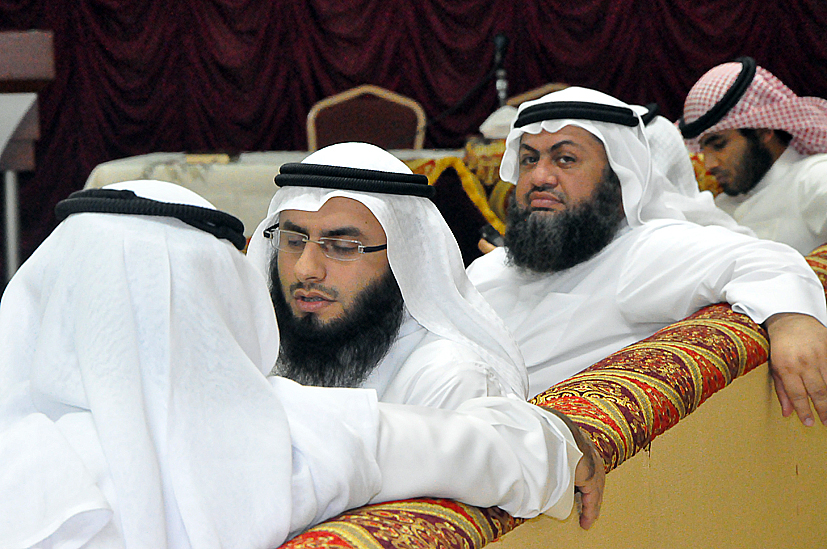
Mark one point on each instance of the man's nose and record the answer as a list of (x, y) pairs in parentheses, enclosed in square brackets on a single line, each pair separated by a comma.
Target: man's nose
[(711, 161), (545, 174), (311, 264)]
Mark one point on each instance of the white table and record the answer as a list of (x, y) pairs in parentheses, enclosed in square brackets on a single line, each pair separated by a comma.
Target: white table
[(241, 186)]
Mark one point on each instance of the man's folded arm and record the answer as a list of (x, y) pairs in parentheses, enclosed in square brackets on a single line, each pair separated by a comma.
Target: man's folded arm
[(493, 451)]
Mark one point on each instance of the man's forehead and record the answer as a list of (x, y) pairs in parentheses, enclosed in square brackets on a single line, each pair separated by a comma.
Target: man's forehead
[(713, 137), (335, 214), (570, 135), (575, 134)]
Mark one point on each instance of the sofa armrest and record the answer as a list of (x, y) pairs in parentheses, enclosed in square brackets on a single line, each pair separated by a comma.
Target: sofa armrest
[(627, 399)]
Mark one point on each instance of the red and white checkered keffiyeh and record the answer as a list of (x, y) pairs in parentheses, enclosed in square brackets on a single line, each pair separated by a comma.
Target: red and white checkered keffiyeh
[(767, 103)]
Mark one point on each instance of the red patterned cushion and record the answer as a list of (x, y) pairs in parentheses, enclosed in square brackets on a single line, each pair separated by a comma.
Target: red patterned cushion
[(419, 523), (818, 261)]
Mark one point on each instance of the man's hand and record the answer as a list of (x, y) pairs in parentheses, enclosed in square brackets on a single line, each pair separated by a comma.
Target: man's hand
[(485, 246), (589, 475), (589, 481), (798, 363)]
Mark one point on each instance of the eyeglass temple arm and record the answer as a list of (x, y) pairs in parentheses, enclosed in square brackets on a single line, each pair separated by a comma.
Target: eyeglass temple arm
[(369, 249)]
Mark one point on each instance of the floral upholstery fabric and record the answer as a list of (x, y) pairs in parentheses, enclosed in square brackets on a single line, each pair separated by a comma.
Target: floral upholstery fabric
[(413, 524), (483, 157), (623, 403), (462, 199), (476, 192), (626, 400), (818, 261), (706, 181)]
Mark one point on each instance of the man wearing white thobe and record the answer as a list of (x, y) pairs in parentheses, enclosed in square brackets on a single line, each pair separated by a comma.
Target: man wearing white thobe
[(596, 259), (767, 148), (441, 343), (136, 411)]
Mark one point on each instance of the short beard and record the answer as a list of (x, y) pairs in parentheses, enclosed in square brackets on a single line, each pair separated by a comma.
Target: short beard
[(752, 167), (342, 352), (552, 242)]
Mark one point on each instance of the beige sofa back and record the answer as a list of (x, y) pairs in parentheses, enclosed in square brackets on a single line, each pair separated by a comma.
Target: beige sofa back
[(733, 474)]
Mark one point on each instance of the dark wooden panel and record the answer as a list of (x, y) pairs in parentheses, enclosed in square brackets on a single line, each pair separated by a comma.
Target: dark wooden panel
[(27, 60)]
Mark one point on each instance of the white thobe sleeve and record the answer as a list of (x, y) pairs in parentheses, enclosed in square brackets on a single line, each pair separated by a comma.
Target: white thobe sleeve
[(441, 374), (493, 451), (334, 440), (678, 268)]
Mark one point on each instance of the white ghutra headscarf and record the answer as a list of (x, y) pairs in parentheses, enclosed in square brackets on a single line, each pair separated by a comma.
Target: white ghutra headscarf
[(423, 255)]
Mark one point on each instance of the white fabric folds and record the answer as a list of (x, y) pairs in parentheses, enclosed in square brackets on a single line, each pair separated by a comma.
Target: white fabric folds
[(116, 405), (135, 411)]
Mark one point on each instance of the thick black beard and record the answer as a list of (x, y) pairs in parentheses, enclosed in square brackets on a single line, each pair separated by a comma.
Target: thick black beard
[(753, 166), (341, 352), (552, 242)]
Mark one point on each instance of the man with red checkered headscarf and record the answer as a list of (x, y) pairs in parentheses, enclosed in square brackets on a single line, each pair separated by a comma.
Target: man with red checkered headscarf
[(767, 147)]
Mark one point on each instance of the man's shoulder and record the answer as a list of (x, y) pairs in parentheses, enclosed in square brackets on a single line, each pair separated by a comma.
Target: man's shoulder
[(814, 163), (437, 350), (805, 179), (440, 357), (810, 158), (796, 166), (441, 373), (492, 262), (657, 228), (661, 238)]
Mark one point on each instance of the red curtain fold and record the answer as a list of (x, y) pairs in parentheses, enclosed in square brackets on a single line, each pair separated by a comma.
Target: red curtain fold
[(239, 75)]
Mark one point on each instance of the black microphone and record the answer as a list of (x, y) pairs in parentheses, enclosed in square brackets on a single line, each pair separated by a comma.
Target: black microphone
[(500, 45)]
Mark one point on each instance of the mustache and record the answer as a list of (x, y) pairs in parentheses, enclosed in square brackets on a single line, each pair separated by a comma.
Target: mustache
[(332, 293), (545, 189)]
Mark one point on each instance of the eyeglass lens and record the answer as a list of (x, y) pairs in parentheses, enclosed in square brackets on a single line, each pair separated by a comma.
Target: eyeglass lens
[(334, 248)]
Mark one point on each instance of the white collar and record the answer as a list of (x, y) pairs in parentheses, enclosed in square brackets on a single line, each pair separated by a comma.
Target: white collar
[(778, 171)]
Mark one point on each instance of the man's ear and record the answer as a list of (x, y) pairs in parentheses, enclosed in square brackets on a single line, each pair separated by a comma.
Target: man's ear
[(765, 136), (771, 141)]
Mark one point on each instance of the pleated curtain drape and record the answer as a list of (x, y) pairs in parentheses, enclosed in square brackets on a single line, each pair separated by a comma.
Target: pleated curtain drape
[(139, 76)]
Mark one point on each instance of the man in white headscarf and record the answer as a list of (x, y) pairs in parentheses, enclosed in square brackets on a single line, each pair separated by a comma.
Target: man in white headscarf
[(597, 257), (398, 314), (767, 147), (370, 290), (676, 177), (136, 411)]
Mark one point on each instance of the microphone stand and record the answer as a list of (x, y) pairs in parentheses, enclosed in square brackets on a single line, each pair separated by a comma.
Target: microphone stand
[(502, 86), (500, 45), (498, 72)]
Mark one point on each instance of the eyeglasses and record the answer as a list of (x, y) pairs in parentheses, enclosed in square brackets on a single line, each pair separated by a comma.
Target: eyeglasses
[(340, 249)]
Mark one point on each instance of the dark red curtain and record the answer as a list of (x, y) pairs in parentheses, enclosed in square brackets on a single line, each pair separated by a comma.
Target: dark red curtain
[(137, 76)]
